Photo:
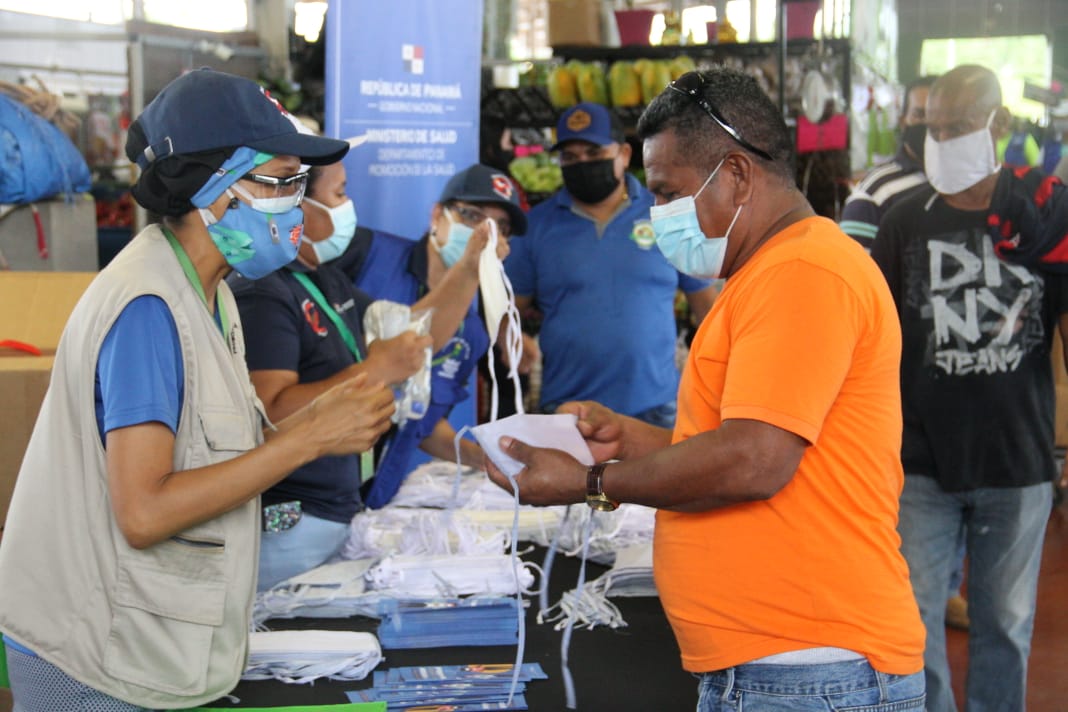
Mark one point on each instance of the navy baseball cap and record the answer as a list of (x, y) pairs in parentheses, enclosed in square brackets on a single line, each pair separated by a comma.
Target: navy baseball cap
[(482, 184), (588, 122), (205, 110)]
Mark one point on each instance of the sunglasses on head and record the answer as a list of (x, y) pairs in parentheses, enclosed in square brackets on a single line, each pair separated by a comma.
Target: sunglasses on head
[(691, 84)]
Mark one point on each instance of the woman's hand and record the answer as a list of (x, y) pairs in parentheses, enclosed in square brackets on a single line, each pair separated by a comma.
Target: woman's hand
[(393, 360), (350, 417)]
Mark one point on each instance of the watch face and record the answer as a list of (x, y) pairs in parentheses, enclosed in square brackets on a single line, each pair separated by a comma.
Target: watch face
[(601, 503)]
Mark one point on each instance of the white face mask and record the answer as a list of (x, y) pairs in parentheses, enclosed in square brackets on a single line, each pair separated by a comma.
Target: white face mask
[(680, 239), (956, 164), (498, 302)]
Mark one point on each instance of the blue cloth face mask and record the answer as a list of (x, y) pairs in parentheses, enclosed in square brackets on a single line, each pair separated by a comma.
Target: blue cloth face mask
[(255, 243), (456, 242), (343, 218), (679, 236)]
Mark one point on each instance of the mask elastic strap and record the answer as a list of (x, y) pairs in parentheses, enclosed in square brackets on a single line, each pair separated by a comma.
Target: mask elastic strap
[(513, 343), (733, 220), (513, 552), (710, 177)]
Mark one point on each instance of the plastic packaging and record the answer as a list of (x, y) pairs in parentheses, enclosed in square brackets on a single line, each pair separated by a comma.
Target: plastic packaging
[(386, 320)]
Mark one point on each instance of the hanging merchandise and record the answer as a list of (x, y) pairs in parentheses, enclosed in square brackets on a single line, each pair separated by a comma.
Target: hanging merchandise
[(301, 656), (37, 160), (386, 320)]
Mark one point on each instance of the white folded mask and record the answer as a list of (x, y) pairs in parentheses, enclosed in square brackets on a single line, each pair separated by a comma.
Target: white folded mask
[(558, 431)]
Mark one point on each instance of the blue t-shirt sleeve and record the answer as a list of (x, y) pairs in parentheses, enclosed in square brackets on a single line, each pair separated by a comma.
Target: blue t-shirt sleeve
[(519, 264), (690, 284), (140, 376)]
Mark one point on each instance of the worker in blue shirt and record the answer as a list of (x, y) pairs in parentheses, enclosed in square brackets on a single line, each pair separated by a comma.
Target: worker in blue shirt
[(439, 271), (590, 265)]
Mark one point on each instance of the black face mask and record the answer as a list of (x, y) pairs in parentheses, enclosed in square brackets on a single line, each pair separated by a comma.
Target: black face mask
[(591, 182), (913, 138)]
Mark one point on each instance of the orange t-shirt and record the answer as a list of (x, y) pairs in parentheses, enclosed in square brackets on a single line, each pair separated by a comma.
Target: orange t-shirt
[(804, 337)]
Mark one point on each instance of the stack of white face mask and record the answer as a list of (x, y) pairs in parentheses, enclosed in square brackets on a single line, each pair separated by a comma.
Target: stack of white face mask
[(413, 532), (304, 655), (629, 525), (335, 590), (449, 576)]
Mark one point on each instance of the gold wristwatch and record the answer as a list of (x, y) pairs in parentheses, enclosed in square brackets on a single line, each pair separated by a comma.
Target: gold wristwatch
[(595, 496)]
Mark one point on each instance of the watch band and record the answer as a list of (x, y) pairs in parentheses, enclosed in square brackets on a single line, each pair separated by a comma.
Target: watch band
[(595, 496), (594, 480)]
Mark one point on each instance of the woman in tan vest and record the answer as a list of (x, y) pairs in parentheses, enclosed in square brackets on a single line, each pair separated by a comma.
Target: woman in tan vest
[(129, 554)]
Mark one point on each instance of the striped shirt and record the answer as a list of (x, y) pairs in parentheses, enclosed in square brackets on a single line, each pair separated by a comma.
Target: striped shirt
[(876, 193)]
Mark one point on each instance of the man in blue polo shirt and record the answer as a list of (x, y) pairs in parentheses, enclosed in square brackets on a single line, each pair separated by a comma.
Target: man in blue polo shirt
[(590, 265)]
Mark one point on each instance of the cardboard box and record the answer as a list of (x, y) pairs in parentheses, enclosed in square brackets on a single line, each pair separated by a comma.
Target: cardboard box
[(575, 23), (36, 308), (69, 233)]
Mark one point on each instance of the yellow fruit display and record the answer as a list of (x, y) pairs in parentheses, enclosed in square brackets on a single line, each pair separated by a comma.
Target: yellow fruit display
[(624, 84), (680, 65), (591, 84), (655, 78), (562, 88)]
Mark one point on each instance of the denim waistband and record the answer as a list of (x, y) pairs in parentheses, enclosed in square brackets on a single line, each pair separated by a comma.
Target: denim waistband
[(817, 679)]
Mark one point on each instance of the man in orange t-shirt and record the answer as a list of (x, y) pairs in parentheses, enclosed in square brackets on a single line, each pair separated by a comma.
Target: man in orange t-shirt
[(776, 552)]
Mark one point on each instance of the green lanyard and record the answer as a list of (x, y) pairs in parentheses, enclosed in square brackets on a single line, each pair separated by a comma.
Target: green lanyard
[(194, 279), (367, 463)]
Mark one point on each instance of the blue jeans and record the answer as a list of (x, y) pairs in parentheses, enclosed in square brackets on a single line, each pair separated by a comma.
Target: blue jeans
[(309, 543), (843, 686), (662, 416), (1004, 529)]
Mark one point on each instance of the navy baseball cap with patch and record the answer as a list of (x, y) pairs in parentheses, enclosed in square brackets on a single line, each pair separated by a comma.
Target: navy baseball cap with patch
[(205, 110), (588, 122), (482, 184)]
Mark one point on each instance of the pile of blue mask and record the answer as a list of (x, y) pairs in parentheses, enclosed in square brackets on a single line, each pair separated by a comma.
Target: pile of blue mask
[(460, 687), (447, 622)]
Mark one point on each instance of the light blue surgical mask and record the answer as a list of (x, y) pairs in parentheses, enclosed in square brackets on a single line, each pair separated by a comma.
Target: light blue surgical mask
[(456, 241), (255, 243), (679, 236), (343, 218)]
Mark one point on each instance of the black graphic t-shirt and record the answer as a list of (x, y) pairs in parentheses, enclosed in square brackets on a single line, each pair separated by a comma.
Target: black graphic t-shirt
[(976, 377)]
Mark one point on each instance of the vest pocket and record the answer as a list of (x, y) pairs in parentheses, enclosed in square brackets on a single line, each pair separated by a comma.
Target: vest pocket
[(227, 430), (162, 625)]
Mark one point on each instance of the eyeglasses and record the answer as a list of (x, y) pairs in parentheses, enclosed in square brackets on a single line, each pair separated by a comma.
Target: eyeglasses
[(690, 85), (290, 187), (473, 217)]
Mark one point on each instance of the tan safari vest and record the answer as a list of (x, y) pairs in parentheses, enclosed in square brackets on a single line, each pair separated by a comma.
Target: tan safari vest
[(162, 627)]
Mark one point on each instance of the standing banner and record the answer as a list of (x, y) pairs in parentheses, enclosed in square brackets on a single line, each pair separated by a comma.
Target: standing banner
[(405, 73)]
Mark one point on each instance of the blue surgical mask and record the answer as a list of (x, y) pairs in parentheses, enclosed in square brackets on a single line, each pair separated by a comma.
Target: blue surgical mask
[(343, 218), (255, 243), (679, 236), (455, 243)]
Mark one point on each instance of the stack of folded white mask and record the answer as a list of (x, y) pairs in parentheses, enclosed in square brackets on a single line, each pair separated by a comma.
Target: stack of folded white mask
[(449, 576), (413, 532), (336, 590), (304, 655)]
